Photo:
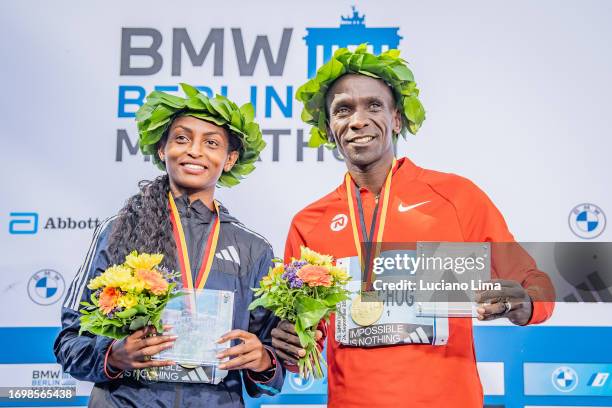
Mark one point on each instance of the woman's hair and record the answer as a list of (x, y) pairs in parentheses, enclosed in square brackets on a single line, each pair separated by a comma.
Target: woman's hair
[(143, 224)]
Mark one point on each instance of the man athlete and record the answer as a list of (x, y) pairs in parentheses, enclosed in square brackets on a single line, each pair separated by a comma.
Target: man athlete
[(360, 103)]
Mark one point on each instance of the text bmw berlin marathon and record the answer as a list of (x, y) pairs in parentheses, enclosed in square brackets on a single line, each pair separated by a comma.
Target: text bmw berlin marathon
[(275, 99)]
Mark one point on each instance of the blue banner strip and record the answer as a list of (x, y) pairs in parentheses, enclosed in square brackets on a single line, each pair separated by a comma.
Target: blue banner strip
[(27, 345), (511, 345)]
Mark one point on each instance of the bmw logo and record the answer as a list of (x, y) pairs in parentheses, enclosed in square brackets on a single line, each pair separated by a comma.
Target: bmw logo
[(300, 384), (587, 221), (564, 379), (46, 287)]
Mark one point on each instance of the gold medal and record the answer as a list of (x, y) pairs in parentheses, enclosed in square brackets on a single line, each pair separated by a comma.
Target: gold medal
[(188, 366), (366, 313)]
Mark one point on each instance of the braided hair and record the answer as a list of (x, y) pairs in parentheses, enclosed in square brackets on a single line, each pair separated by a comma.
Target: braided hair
[(143, 224)]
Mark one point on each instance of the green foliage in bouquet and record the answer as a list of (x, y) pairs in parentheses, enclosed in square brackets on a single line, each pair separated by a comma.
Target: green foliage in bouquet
[(128, 297), (304, 292)]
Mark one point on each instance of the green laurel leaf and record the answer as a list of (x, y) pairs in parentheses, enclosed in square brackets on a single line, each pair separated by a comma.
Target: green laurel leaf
[(387, 66), (160, 108)]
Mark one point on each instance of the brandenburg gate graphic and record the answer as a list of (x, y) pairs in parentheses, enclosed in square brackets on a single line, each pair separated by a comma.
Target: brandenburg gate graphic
[(352, 31)]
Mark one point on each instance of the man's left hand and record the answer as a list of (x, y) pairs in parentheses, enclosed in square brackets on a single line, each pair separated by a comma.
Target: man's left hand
[(250, 354), (511, 301)]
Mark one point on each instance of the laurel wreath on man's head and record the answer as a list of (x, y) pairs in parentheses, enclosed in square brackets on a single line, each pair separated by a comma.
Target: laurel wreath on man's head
[(388, 66), (160, 109)]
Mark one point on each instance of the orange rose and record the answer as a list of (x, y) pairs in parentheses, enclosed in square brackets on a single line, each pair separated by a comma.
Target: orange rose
[(108, 299), (153, 281), (315, 275)]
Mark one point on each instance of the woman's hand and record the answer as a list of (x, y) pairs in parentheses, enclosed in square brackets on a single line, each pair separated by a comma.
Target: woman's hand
[(250, 354), (135, 351)]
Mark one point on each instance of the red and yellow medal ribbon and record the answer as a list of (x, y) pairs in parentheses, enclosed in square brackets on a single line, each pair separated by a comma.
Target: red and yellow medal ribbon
[(381, 217), (181, 246)]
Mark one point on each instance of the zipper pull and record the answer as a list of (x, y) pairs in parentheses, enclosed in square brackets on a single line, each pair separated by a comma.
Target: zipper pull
[(189, 210)]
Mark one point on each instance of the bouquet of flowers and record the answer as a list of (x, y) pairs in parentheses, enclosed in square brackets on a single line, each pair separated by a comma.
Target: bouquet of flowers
[(304, 292), (128, 297)]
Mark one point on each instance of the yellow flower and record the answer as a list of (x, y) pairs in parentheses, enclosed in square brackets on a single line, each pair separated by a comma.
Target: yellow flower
[(96, 283), (272, 274), (266, 281), (117, 276), (114, 277), (339, 274), (277, 270), (315, 258), (128, 300), (133, 285), (143, 261)]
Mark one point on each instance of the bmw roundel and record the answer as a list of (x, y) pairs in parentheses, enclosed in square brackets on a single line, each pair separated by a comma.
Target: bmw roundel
[(46, 287), (300, 384), (587, 221), (564, 379)]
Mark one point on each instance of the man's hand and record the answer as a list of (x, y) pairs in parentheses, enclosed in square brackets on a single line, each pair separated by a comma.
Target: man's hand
[(287, 343), (250, 354), (512, 301), (135, 351)]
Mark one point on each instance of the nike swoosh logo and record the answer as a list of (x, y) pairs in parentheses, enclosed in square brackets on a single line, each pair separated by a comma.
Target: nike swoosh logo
[(403, 208)]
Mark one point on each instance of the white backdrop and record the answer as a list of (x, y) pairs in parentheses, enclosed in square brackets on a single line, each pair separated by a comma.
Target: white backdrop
[(516, 93)]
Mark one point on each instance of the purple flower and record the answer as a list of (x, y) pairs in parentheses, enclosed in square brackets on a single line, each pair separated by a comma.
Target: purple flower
[(296, 283), (299, 264), (170, 276), (290, 275), (116, 309)]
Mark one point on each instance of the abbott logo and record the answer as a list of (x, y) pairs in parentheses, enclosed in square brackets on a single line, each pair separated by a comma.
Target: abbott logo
[(23, 223)]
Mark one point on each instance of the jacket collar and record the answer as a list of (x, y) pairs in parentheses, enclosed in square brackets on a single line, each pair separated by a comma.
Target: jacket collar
[(199, 211), (405, 166)]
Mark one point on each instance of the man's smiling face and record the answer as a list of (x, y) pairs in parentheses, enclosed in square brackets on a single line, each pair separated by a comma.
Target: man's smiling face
[(362, 118)]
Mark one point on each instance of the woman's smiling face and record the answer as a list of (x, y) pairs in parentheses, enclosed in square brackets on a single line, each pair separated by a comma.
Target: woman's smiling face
[(196, 153)]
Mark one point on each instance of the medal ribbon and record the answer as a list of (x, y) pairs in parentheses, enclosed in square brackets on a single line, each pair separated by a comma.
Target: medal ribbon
[(377, 228), (181, 246)]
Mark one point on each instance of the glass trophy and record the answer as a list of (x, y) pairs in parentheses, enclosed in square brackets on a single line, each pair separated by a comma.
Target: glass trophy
[(449, 275), (198, 318)]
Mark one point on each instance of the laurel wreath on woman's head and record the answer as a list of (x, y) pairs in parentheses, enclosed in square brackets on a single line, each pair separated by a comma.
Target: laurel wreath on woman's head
[(160, 109), (387, 66)]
